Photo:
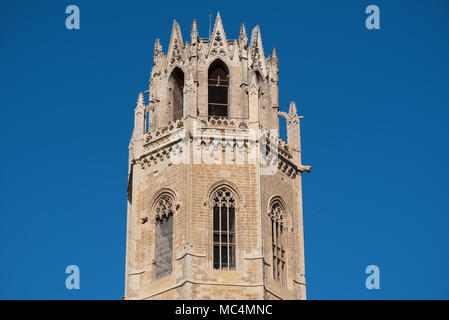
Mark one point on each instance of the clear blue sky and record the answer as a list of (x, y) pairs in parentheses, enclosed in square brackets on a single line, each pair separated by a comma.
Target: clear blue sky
[(376, 108)]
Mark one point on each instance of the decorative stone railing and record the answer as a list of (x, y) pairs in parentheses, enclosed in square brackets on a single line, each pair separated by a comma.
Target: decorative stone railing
[(218, 122), (159, 142), (171, 126), (162, 135), (284, 149)]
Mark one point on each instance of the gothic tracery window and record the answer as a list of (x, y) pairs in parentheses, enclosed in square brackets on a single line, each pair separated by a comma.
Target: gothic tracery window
[(278, 241), (223, 206), (218, 88), (164, 237)]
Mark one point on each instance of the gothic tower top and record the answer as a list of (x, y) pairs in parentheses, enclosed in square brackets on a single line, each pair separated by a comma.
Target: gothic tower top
[(221, 71), (214, 195)]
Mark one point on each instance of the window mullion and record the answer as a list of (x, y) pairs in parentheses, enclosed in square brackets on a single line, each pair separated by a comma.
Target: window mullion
[(227, 235), (219, 239), (279, 252), (281, 260), (275, 252)]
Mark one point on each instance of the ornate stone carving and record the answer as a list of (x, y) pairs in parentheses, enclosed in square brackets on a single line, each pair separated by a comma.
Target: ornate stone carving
[(292, 116), (176, 52), (157, 50), (223, 197), (164, 207), (276, 214), (258, 62), (176, 48), (199, 150), (218, 42), (243, 39)]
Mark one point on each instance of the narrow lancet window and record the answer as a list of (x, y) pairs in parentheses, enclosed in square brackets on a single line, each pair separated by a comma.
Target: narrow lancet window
[(218, 88), (278, 247), (176, 90), (223, 211), (164, 237)]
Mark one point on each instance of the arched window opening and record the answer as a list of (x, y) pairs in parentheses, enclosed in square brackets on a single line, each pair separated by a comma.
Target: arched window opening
[(278, 239), (177, 93), (164, 237), (218, 87), (223, 230)]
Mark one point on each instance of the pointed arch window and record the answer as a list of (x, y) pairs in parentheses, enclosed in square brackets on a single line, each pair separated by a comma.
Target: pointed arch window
[(223, 210), (176, 83), (218, 89), (278, 242), (164, 237)]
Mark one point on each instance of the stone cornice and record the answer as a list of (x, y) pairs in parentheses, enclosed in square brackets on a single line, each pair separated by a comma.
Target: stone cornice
[(158, 144)]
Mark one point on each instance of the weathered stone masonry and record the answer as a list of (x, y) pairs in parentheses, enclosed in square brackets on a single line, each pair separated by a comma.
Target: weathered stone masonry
[(214, 229)]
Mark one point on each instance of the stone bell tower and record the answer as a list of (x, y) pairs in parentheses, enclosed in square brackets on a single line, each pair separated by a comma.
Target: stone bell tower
[(214, 195)]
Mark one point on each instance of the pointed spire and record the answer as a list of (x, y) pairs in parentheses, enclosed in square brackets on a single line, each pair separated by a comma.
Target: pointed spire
[(176, 32), (157, 50), (194, 40), (243, 37), (176, 44), (274, 55), (218, 43), (273, 67), (243, 42), (257, 53), (194, 32), (292, 112), (217, 18), (139, 118), (140, 100)]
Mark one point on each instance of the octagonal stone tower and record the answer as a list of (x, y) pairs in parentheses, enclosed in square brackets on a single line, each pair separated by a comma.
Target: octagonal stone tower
[(214, 195)]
